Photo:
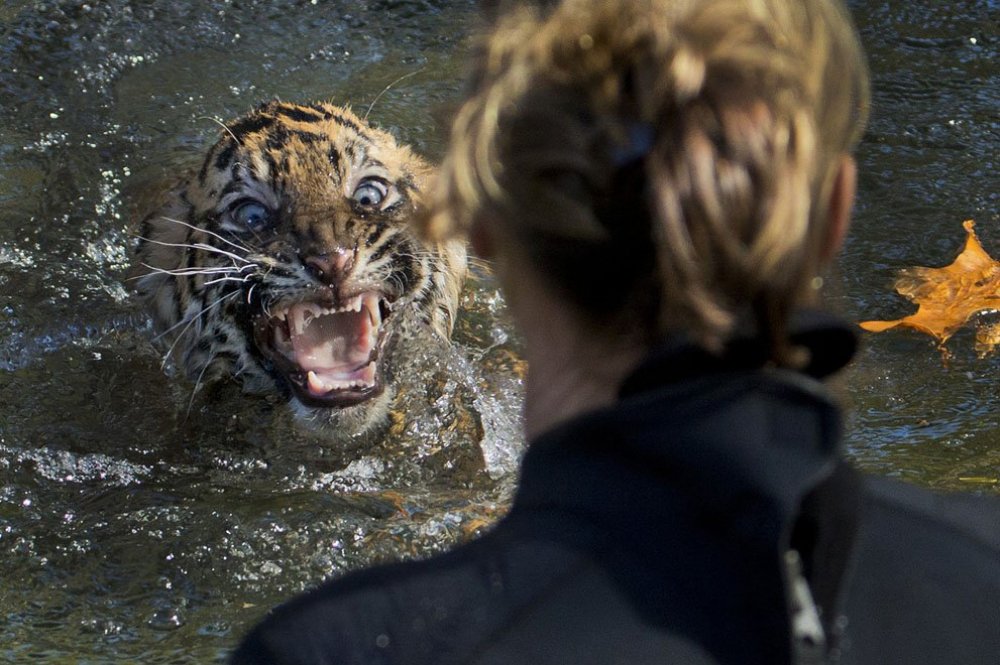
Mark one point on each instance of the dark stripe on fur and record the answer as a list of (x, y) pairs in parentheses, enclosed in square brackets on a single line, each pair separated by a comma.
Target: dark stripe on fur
[(203, 172), (353, 126), (319, 108), (299, 114), (390, 245), (406, 185), (225, 155), (375, 234), (251, 124), (232, 186), (281, 135), (272, 166)]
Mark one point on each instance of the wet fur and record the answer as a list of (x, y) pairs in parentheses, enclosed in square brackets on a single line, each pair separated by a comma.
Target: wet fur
[(203, 283)]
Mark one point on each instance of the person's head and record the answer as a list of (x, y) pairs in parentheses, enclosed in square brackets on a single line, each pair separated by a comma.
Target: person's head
[(666, 166)]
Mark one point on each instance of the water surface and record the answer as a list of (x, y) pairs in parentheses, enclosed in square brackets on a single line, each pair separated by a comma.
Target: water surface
[(141, 522), (928, 162)]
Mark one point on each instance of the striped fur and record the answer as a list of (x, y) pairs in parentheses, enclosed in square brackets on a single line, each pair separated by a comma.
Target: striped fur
[(209, 273)]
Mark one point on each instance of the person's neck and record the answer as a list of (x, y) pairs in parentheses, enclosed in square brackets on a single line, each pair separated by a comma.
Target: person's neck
[(572, 368), (569, 371)]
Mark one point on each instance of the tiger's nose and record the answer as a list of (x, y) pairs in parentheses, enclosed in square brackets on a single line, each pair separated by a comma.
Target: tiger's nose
[(331, 267)]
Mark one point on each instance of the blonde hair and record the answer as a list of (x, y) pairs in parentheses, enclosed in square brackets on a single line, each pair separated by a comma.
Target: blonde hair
[(668, 163)]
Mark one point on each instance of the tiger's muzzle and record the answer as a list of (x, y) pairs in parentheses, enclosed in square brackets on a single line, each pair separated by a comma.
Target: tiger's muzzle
[(327, 352)]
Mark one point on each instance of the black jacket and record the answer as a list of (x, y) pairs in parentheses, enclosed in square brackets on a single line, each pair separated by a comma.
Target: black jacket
[(705, 518)]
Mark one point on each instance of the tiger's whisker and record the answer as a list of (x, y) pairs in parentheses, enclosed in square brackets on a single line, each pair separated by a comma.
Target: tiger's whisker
[(213, 270), (221, 124), (183, 272), (218, 280), (237, 257), (482, 264), (188, 321), (197, 385), (195, 246), (386, 89), (170, 350), (211, 233)]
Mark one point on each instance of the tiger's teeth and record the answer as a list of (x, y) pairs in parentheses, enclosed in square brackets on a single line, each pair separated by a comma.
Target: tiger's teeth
[(302, 315), (319, 385), (374, 313), (299, 321), (315, 385), (353, 305)]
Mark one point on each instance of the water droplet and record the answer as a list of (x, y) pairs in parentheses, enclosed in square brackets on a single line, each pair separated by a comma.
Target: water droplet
[(168, 619)]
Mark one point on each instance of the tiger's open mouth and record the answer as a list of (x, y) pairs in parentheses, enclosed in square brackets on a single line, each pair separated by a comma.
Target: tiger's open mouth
[(327, 353)]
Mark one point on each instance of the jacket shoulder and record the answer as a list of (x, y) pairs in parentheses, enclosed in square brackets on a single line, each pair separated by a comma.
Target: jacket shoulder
[(926, 578), (433, 611), (969, 517)]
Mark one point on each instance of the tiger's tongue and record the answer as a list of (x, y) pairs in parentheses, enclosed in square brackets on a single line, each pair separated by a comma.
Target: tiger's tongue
[(340, 343)]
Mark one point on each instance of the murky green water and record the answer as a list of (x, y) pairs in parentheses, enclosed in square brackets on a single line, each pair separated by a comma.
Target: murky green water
[(139, 524)]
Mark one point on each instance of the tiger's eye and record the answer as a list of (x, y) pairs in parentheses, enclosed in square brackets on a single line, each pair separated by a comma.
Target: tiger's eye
[(370, 193), (252, 215)]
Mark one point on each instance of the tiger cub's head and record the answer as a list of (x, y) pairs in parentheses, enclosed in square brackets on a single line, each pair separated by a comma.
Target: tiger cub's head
[(289, 260)]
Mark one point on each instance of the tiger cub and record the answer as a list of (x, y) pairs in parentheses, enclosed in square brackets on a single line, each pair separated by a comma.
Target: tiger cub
[(289, 260)]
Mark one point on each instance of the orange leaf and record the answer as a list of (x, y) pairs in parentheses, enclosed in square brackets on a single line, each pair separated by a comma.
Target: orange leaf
[(948, 297)]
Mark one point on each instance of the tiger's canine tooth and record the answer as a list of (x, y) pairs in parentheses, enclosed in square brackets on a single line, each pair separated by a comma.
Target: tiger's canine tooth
[(316, 385)]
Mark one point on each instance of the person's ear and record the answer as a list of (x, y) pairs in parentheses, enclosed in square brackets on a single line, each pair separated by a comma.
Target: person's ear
[(841, 203)]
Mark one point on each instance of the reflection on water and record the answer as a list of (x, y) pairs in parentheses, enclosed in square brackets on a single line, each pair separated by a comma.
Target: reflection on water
[(927, 163), (139, 522)]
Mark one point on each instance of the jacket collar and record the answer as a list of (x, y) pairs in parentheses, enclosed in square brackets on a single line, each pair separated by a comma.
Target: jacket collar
[(734, 425), (830, 345), (724, 441)]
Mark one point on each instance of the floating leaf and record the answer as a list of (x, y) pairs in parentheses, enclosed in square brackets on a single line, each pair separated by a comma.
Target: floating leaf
[(948, 297)]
